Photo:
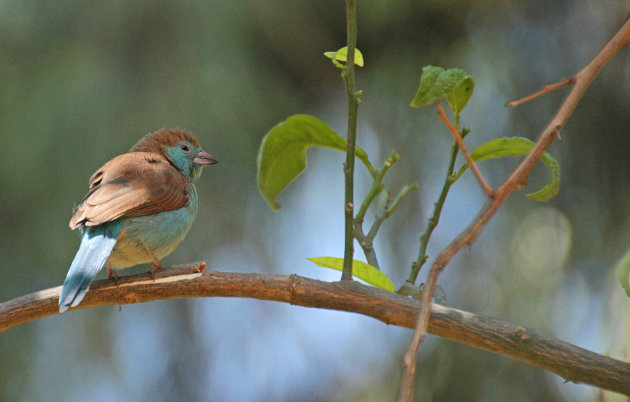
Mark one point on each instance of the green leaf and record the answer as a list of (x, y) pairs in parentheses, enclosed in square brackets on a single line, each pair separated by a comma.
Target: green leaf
[(427, 93), (342, 55), (361, 270), (454, 84), (623, 272), (282, 153), (516, 146), (458, 98)]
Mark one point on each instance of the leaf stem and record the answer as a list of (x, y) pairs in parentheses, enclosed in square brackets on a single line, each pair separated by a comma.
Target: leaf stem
[(353, 108), (368, 165)]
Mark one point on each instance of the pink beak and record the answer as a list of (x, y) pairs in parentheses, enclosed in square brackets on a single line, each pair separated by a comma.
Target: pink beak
[(203, 158)]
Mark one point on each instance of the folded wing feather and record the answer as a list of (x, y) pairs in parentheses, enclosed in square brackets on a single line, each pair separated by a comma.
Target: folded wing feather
[(132, 184)]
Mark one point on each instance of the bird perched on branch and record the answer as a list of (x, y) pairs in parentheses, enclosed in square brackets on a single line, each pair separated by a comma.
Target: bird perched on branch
[(139, 208)]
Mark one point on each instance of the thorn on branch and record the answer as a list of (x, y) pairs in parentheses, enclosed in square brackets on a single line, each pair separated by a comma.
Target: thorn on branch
[(521, 334)]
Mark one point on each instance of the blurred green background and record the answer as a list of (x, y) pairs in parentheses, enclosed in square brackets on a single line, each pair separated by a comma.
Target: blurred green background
[(81, 82)]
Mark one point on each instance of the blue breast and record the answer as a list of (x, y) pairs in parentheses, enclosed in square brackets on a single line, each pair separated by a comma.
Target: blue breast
[(158, 235)]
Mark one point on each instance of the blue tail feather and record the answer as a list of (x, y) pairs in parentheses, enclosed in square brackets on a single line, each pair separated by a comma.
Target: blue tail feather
[(96, 245)]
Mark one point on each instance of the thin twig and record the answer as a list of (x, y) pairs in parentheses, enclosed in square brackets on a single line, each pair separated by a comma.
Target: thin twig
[(583, 79), (376, 187), (434, 219), (464, 149), (569, 361), (388, 210), (391, 207), (380, 216), (367, 245), (543, 91), (353, 109), (367, 241)]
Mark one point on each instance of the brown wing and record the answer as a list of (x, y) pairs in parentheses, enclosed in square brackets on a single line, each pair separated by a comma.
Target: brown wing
[(132, 184)]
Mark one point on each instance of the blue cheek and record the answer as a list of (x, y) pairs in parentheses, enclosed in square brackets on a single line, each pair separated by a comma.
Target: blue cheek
[(182, 159)]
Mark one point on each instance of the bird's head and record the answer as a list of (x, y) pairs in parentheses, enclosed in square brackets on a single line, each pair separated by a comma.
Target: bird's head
[(180, 147)]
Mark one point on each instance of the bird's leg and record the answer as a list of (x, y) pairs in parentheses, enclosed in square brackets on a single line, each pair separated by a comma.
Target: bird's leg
[(111, 273), (155, 266)]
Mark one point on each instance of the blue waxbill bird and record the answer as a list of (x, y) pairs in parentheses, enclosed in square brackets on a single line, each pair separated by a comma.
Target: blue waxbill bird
[(139, 208)]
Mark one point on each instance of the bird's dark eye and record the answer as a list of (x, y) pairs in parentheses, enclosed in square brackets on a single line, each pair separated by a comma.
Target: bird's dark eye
[(184, 148)]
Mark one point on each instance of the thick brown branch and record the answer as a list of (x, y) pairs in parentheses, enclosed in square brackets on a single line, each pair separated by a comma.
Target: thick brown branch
[(582, 81), (569, 361)]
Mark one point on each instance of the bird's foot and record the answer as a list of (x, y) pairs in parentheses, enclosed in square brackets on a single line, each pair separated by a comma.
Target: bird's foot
[(154, 267), (111, 274)]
